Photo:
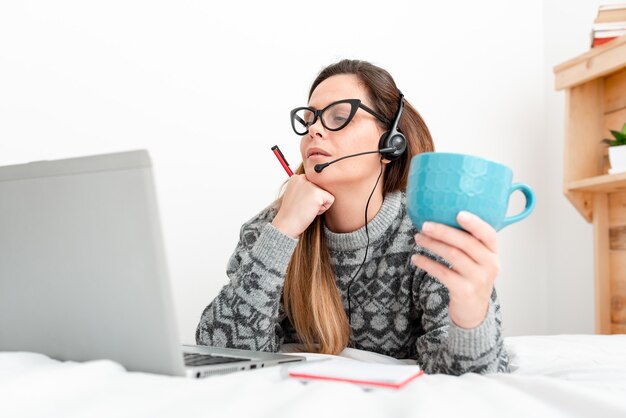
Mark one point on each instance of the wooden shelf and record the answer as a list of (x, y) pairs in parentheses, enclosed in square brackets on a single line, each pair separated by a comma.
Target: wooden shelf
[(598, 62), (595, 102), (609, 183)]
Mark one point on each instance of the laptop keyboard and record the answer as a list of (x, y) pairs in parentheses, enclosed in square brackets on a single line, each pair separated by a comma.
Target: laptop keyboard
[(195, 359)]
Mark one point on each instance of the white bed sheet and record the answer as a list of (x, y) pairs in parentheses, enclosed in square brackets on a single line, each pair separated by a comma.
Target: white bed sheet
[(554, 376)]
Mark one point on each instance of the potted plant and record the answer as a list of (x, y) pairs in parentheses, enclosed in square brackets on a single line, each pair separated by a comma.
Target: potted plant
[(617, 150)]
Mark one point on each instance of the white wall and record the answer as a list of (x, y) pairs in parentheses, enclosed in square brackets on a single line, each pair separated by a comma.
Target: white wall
[(206, 88)]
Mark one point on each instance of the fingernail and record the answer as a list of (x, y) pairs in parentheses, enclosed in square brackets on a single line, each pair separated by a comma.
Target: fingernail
[(465, 216), (427, 227)]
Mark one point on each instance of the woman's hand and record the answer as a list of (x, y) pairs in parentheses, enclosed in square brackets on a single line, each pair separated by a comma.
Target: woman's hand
[(475, 265), (302, 202)]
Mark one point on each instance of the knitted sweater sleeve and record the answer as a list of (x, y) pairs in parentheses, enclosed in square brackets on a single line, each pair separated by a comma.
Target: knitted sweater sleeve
[(247, 312), (446, 348)]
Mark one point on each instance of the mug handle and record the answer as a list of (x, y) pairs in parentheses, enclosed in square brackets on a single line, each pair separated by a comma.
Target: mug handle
[(530, 203)]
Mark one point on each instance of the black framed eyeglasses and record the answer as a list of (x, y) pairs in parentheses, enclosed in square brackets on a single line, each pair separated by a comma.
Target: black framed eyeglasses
[(334, 117)]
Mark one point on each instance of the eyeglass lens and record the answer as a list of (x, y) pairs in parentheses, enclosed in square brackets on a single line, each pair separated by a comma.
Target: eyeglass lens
[(334, 117)]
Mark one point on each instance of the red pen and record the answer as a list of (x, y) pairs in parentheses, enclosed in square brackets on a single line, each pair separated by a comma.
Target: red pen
[(282, 160)]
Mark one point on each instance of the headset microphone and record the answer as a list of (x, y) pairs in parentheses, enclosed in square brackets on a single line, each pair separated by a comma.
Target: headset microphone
[(319, 167)]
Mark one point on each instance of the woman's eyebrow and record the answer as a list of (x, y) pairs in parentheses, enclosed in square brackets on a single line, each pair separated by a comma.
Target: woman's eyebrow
[(327, 104)]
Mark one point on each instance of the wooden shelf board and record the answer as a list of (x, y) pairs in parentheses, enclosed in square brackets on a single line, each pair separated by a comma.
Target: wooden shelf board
[(608, 183), (597, 62), (583, 202)]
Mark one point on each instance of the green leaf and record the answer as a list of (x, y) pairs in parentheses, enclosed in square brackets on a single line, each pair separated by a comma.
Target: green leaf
[(619, 136)]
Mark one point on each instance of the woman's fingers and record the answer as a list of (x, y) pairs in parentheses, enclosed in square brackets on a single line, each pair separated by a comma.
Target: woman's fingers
[(449, 278), (460, 261), (471, 245), (480, 229), (302, 202)]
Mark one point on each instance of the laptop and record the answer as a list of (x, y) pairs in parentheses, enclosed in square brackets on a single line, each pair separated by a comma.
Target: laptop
[(83, 271)]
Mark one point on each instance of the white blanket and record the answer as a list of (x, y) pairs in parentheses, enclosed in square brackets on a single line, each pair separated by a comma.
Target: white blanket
[(554, 376)]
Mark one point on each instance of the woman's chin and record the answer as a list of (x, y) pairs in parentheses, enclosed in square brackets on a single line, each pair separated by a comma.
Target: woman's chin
[(320, 179)]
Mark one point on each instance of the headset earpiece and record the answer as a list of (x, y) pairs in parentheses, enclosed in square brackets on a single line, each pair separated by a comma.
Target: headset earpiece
[(393, 138), (397, 142)]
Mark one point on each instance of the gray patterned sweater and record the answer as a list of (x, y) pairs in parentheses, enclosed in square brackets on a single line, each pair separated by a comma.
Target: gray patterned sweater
[(397, 309)]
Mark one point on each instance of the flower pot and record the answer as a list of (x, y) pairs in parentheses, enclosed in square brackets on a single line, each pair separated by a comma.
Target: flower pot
[(617, 157)]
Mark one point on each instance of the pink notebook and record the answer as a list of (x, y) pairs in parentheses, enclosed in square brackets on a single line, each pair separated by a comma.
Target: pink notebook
[(353, 371)]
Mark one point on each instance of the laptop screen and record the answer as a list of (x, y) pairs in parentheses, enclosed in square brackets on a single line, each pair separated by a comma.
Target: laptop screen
[(82, 268)]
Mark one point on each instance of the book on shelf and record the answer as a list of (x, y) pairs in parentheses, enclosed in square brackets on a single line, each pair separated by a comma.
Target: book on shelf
[(610, 23)]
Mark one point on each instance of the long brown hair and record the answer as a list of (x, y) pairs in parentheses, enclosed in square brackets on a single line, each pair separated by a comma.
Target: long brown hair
[(310, 296)]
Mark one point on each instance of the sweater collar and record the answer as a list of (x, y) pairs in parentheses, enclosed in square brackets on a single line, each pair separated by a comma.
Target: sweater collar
[(355, 240)]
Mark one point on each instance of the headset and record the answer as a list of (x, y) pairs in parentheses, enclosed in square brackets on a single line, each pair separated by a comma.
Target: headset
[(393, 143)]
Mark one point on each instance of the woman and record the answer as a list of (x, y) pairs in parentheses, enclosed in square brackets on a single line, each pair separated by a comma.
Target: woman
[(336, 262)]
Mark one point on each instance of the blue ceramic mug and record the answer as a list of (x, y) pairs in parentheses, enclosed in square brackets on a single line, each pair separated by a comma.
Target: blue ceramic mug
[(440, 185)]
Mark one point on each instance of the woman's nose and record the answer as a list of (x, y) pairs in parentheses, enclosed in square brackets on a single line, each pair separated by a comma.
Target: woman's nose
[(317, 129)]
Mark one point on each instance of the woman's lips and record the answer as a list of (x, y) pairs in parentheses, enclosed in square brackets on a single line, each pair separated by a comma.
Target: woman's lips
[(317, 153), (318, 157)]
